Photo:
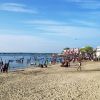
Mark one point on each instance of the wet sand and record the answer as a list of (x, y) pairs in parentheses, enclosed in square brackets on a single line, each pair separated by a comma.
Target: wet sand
[(52, 83)]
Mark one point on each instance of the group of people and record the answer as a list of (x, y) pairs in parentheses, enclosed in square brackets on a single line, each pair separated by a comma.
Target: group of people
[(66, 62), (4, 66), (42, 65)]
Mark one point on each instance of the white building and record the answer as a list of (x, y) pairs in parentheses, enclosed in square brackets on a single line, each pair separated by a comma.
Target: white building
[(98, 52)]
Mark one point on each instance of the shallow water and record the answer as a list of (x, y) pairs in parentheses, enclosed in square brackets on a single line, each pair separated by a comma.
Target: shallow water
[(23, 60)]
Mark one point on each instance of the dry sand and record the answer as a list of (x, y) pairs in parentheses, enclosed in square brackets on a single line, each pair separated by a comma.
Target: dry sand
[(52, 83)]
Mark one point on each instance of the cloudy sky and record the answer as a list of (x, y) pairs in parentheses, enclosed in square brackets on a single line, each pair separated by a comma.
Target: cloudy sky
[(48, 25)]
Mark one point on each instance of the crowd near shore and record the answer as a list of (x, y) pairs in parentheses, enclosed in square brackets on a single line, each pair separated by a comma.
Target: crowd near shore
[(40, 61)]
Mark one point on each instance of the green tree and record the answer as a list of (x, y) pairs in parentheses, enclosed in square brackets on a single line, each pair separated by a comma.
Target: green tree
[(87, 49), (67, 48), (82, 50)]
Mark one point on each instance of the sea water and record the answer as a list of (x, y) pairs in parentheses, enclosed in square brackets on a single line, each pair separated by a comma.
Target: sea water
[(24, 60)]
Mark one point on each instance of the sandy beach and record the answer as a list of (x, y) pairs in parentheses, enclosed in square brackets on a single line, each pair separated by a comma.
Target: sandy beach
[(52, 83)]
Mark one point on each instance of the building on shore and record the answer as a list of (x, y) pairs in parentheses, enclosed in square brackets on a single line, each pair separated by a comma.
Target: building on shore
[(71, 51), (98, 52)]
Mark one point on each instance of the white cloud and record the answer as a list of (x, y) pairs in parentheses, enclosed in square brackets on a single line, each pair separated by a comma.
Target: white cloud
[(43, 22), (70, 31), (82, 14), (86, 4), (81, 1), (16, 7), (39, 24), (75, 29), (25, 43), (85, 23), (73, 22), (53, 39)]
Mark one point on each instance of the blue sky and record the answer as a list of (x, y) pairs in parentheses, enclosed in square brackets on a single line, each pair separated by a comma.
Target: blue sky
[(48, 25)]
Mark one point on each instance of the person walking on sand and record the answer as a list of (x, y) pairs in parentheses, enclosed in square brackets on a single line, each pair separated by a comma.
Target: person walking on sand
[(79, 64)]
